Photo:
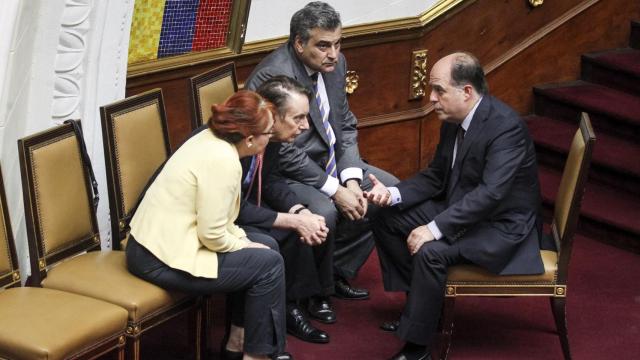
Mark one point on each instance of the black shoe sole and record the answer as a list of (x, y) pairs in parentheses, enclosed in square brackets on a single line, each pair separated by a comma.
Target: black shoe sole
[(324, 321), (350, 298), (307, 340)]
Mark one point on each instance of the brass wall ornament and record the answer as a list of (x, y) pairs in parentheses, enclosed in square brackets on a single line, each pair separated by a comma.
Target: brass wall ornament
[(536, 3), (352, 82), (418, 84)]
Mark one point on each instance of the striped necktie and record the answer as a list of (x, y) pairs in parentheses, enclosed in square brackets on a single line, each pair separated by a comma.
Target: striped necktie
[(255, 169), (331, 167)]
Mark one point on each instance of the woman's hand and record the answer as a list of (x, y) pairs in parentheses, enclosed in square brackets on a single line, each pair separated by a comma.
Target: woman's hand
[(254, 245)]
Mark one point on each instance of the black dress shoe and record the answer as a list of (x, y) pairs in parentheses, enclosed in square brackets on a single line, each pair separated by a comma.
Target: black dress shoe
[(299, 326), (345, 291), (226, 354), (283, 356), (320, 309), (390, 326), (402, 356)]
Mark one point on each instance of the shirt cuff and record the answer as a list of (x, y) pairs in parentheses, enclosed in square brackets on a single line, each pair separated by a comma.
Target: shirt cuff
[(434, 230), (395, 195), (330, 186), (351, 173)]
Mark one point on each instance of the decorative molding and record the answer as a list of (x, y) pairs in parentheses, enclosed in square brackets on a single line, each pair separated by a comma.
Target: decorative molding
[(491, 67), (357, 35), (351, 79), (71, 51), (418, 83), (536, 3)]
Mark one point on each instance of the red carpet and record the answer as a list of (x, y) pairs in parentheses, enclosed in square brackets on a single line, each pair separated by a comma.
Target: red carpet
[(603, 317)]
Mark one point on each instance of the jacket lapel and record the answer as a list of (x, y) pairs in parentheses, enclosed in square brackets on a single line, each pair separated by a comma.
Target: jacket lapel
[(314, 111)]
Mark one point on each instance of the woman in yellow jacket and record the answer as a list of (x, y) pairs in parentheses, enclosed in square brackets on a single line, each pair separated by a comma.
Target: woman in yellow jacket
[(183, 235)]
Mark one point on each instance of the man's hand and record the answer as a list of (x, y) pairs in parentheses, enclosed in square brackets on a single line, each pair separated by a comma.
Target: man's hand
[(354, 186), (379, 194), (311, 228), (348, 203), (418, 237)]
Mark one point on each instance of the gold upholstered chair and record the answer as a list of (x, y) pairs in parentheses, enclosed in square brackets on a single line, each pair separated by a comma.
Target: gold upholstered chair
[(211, 87), (64, 241), (470, 280), (49, 324), (136, 143)]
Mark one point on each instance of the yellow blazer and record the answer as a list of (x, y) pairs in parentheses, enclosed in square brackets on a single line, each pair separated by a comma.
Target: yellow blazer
[(187, 215)]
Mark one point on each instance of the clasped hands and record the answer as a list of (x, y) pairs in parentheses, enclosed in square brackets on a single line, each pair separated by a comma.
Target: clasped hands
[(380, 195), (311, 227), (351, 201)]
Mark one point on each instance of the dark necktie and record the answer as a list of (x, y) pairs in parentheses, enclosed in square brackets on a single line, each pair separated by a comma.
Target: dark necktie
[(459, 140), (331, 167), (256, 170)]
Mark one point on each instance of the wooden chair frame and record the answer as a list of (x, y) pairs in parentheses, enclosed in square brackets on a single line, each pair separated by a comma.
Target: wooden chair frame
[(11, 279), (40, 260), (119, 214), (227, 70), (555, 290)]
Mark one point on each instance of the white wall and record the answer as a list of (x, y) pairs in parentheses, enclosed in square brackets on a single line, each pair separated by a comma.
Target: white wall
[(270, 19), (59, 60)]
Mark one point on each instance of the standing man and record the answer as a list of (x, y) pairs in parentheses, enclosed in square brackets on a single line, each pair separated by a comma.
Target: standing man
[(477, 202), (270, 206), (324, 165)]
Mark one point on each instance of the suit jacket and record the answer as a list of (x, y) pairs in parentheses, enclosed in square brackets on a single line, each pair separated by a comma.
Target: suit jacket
[(276, 193), (187, 214), (491, 197), (306, 159)]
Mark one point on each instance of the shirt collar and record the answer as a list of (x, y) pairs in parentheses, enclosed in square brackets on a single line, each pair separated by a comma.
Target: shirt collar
[(467, 120)]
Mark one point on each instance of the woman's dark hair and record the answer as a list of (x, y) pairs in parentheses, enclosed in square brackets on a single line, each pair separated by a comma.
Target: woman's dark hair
[(243, 114), (278, 89)]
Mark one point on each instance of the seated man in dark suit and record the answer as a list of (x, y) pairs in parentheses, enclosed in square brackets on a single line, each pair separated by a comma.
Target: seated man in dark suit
[(477, 202), (323, 165), (270, 206)]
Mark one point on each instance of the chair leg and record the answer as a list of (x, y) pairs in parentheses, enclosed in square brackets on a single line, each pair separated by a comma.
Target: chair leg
[(558, 307), (132, 351), (206, 336), (446, 322), (196, 330)]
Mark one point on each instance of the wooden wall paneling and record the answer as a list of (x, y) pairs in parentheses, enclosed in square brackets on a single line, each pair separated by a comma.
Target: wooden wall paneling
[(392, 147), (556, 57)]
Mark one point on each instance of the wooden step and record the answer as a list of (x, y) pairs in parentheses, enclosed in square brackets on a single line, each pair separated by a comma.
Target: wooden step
[(618, 69), (611, 111), (615, 162), (607, 214)]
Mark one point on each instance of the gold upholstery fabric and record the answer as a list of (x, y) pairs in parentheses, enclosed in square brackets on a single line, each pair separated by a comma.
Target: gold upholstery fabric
[(475, 274), (104, 275), (215, 92), (48, 324), (568, 182), (140, 149), (62, 202)]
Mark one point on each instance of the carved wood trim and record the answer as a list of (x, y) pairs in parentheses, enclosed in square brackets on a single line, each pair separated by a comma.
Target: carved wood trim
[(492, 66)]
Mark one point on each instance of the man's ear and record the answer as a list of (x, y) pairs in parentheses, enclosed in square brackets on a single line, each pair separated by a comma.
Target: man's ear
[(468, 91), (298, 44)]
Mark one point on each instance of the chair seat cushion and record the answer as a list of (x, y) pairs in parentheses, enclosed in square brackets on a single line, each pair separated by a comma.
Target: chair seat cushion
[(103, 275), (49, 324), (474, 274)]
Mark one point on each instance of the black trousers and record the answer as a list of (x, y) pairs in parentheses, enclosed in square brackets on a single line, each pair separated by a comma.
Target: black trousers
[(422, 275), (352, 240), (308, 269), (254, 277)]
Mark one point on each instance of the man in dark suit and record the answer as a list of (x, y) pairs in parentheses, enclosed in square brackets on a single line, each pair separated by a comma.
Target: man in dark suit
[(270, 206), (477, 202), (323, 165)]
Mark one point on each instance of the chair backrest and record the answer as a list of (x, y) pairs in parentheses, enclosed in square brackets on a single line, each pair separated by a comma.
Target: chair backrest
[(136, 142), (58, 200), (211, 87), (570, 191), (9, 268)]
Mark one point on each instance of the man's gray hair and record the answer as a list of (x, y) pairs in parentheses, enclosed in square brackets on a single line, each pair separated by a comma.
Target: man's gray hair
[(316, 14)]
